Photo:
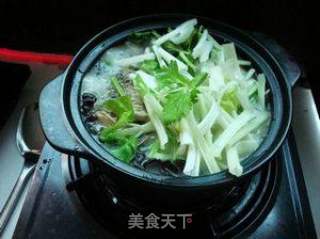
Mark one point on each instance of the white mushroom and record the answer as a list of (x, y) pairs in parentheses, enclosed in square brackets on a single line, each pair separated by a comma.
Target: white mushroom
[(104, 118)]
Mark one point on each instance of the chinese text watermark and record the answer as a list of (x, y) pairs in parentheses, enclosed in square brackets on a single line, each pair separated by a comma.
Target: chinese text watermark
[(162, 221)]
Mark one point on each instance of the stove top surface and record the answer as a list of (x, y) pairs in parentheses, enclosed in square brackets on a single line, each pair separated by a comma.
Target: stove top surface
[(67, 200)]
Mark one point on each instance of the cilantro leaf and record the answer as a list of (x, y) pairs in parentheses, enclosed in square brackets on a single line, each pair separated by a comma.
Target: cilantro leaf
[(126, 151), (121, 146), (172, 48), (190, 43), (199, 78), (194, 95), (122, 108), (177, 105), (141, 38), (119, 105), (170, 75), (188, 60), (112, 136), (150, 66)]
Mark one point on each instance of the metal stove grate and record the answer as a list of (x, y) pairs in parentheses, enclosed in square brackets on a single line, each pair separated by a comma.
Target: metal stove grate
[(240, 210)]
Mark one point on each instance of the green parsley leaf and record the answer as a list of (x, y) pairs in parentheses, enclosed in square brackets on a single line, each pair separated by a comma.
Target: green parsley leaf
[(170, 75), (122, 108), (141, 38), (150, 66), (177, 105), (121, 146), (191, 42), (127, 151), (199, 78), (172, 48), (188, 60)]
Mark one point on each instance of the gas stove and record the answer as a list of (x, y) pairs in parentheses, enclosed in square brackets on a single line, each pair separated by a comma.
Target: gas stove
[(69, 197)]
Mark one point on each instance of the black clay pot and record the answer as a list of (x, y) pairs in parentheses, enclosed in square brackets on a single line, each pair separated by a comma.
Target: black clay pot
[(65, 131)]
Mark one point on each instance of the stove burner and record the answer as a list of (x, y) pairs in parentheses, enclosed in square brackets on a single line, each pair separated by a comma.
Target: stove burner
[(240, 211)]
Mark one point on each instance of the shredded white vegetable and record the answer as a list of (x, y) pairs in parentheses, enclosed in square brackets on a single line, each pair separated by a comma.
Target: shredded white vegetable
[(167, 57), (233, 128), (185, 135), (153, 113), (233, 162), (207, 122), (192, 166), (135, 59), (159, 58), (202, 103), (246, 147), (197, 50), (215, 76), (261, 90), (149, 80), (202, 145), (178, 35), (254, 124)]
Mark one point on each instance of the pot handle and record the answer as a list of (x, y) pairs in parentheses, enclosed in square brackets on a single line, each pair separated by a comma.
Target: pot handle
[(290, 67), (53, 121)]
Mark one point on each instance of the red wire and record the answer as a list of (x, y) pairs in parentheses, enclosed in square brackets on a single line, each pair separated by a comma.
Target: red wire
[(9, 55)]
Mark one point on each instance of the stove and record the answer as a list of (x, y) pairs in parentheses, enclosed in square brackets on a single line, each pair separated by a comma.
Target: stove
[(71, 198), (239, 209)]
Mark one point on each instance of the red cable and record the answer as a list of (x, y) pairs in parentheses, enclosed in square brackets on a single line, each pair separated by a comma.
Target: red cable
[(9, 55)]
